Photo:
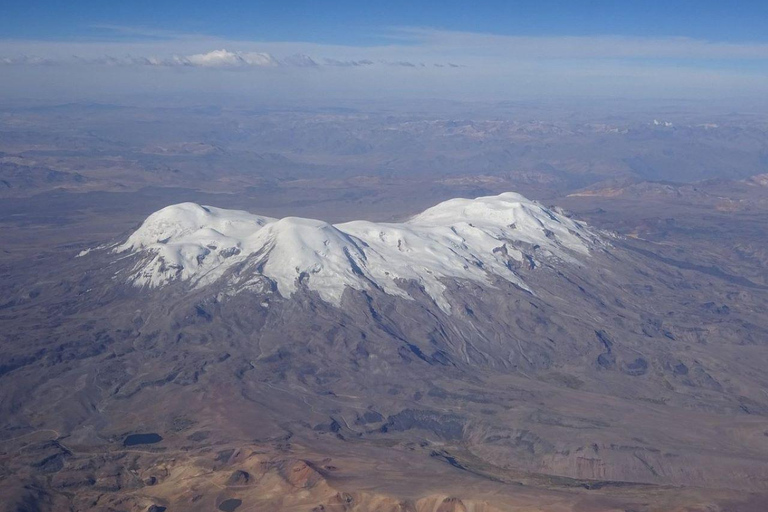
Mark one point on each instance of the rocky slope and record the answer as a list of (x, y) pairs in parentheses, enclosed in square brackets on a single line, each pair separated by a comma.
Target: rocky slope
[(487, 354)]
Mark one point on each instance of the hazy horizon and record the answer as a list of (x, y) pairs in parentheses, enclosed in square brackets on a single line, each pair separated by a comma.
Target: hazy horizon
[(698, 51)]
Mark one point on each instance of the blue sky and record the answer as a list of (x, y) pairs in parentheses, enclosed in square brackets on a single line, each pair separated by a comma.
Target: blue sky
[(481, 50), (358, 21)]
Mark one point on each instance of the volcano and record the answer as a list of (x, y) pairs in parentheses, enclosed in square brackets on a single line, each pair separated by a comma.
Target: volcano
[(486, 354)]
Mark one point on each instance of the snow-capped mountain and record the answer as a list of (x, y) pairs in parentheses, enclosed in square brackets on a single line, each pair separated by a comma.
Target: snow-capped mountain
[(470, 239), (489, 338)]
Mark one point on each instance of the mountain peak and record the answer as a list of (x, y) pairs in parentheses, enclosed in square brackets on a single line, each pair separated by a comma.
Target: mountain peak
[(471, 239)]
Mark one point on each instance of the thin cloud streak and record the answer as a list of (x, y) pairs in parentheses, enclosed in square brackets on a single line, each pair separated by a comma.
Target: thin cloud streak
[(220, 59), (411, 45), (408, 44), (580, 47), (417, 62)]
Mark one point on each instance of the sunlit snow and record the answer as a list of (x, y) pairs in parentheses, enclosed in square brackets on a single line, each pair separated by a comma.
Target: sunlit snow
[(470, 239)]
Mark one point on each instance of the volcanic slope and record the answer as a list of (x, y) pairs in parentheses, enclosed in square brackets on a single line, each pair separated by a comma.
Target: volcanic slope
[(488, 353)]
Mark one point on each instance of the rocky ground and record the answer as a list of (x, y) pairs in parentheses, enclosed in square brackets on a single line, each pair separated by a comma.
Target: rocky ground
[(634, 381), (631, 383)]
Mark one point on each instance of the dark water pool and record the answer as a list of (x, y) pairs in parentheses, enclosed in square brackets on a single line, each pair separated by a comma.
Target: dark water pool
[(136, 439), (230, 505)]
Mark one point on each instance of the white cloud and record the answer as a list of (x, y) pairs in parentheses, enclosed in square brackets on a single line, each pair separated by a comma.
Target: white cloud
[(406, 45), (260, 59), (415, 61), (224, 58), (347, 63), (214, 59), (300, 60)]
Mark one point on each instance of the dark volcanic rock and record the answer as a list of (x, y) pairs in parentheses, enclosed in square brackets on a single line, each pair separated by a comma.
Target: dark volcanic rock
[(637, 367), (446, 426), (239, 477)]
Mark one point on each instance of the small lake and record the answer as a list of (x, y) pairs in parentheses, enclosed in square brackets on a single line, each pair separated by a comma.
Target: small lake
[(230, 505), (136, 439)]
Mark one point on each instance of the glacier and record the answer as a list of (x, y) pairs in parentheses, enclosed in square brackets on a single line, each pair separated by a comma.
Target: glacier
[(471, 239)]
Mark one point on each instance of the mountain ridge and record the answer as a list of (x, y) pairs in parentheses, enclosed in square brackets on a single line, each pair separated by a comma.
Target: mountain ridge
[(469, 239)]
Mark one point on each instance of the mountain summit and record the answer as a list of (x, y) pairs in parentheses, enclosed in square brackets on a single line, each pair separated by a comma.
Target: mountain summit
[(472, 239)]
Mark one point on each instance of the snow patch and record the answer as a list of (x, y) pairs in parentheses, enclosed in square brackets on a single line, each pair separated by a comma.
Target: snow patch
[(472, 239)]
